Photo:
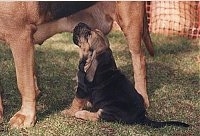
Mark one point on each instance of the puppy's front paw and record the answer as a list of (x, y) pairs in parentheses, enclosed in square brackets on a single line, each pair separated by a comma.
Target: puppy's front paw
[(81, 114), (68, 112), (86, 115)]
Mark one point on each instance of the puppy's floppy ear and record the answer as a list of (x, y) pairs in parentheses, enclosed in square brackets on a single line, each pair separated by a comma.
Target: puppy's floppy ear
[(105, 39), (99, 45), (90, 72)]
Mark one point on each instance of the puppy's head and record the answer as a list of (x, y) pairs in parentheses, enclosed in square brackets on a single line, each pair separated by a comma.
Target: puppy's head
[(89, 40), (91, 43)]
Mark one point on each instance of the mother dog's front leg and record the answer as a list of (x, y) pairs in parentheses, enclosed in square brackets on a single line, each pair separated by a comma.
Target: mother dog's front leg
[(22, 48), (130, 18)]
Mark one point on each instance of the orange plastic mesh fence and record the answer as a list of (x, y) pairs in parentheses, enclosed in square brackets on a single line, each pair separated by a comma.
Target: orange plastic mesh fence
[(174, 17)]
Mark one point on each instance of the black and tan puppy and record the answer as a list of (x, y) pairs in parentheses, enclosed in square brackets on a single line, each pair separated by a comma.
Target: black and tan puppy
[(111, 94)]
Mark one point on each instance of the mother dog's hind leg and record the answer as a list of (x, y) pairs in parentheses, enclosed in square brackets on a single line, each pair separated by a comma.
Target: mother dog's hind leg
[(130, 18), (22, 48)]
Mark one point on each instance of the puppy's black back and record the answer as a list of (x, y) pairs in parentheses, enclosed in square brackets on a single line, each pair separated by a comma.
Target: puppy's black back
[(120, 105), (116, 95), (112, 92)]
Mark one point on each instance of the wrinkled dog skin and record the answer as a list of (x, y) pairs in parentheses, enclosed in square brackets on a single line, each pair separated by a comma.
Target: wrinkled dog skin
[(23, 24), (111, 94)]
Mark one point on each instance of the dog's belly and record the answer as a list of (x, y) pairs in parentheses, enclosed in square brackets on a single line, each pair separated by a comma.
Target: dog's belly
[(119, 101)]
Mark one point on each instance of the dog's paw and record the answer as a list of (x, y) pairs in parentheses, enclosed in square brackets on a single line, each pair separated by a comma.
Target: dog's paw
[(81, 114), (68, 112), (1, 116), (146, 101), (22, 120), (86, 115)]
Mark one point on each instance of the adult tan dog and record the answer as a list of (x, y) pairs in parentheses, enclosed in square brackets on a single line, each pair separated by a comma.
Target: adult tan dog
[(23, 24)]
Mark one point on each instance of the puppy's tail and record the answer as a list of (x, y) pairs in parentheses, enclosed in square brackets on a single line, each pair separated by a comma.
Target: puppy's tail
[(157, 124)]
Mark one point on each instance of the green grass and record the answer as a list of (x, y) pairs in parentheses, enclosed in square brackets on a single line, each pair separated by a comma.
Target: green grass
[(173, 88)]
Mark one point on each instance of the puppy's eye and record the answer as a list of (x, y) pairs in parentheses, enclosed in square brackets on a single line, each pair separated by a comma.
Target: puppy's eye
[(91, 50), (87, 34)]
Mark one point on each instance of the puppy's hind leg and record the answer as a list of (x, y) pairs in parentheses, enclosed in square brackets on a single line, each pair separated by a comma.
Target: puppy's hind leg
[(77, 105), (87, 115)]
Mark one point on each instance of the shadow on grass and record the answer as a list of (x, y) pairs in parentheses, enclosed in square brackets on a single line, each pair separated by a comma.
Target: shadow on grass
[(58, 87), (160, 75), (56, 69), (56, 75), (165, 45)]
